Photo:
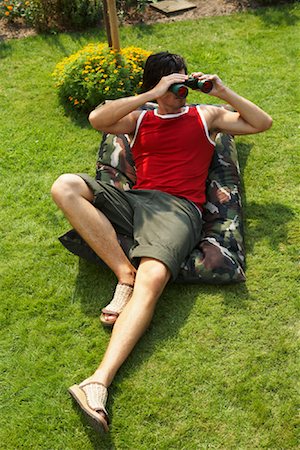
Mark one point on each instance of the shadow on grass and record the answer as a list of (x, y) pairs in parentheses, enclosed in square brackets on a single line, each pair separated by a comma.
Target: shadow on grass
[(56, 40), (243, 151), (5, 48), (78, 118), (262, 221), (173, 310), (235, 296), (282, 15), (99, 440), (80, 38), (140, 28), (268, 222)]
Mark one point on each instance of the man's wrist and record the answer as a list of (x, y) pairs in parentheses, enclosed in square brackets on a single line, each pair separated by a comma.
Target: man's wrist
[(150, 95), (224, 93)]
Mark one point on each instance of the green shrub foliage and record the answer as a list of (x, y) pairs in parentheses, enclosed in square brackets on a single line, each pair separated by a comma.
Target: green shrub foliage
[(66, 14), (97, 73)]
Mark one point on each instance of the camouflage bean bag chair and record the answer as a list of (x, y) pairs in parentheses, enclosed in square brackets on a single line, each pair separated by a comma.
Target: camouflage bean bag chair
[(219, 257)]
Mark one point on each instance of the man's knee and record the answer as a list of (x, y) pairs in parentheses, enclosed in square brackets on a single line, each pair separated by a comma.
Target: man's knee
[(154, 272), (64, 186), (68, 187)]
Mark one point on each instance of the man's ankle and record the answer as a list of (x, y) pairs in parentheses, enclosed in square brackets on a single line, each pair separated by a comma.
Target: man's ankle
[(101, 377), (127, 278)]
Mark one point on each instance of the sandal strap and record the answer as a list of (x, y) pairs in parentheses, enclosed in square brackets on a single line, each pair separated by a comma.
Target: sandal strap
[(96, 395), (121, 297)]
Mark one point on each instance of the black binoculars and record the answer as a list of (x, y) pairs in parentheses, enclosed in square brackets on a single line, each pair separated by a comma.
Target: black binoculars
[(181, 89)]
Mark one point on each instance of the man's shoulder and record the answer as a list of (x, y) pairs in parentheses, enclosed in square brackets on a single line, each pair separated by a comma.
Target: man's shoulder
[(207, 107), (210, 111)]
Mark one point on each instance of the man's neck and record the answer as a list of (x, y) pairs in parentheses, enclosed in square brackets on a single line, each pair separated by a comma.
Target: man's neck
[(167, 109)]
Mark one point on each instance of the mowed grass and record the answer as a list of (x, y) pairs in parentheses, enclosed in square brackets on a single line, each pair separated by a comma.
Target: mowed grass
[(218, 367)]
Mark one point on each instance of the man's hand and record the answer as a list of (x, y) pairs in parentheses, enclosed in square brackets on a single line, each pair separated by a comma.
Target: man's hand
[(163, 86), (218, 86)]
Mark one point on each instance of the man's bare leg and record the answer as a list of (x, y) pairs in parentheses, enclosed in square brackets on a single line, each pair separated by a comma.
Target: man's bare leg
[(91, 394), (151, 279), (73, 197)]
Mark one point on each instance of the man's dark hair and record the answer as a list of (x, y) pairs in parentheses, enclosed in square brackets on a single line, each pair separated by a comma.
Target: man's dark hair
[(159, 65)]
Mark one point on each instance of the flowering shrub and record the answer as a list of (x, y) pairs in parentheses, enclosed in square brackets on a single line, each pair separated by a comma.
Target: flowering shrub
[(13, 9), (57, 14), (96, 73), (66, 14)]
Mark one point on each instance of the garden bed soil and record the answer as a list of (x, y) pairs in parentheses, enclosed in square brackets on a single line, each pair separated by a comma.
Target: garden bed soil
[(203, 8), (14, 30)]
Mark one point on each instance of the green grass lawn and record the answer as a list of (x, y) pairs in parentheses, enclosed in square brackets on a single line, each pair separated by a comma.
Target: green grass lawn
[(218, 367)]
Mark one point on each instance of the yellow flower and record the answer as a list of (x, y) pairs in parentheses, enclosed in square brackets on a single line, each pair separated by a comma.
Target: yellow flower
[(10, 8), (127, 64), (7, 13)]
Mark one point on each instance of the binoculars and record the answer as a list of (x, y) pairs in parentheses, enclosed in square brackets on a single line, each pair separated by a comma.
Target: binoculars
[(181, 89)]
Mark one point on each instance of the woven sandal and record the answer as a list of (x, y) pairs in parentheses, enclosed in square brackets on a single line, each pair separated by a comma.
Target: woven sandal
[(91, 397), (121, 297)]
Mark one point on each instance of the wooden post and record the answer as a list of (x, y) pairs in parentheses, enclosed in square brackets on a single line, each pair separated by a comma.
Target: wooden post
[(113, 24), (106, 23)]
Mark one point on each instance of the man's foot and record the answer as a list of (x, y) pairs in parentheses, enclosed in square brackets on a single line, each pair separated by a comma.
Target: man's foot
[(91, 397), (120, 299)]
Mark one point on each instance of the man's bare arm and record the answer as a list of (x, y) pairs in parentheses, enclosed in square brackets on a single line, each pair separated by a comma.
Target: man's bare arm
[(120, 116), (248, 119)]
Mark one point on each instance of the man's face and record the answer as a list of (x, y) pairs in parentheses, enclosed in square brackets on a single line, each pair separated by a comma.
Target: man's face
[(172, 100)]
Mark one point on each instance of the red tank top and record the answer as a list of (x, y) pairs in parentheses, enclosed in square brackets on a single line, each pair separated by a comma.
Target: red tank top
[(173, 152)]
